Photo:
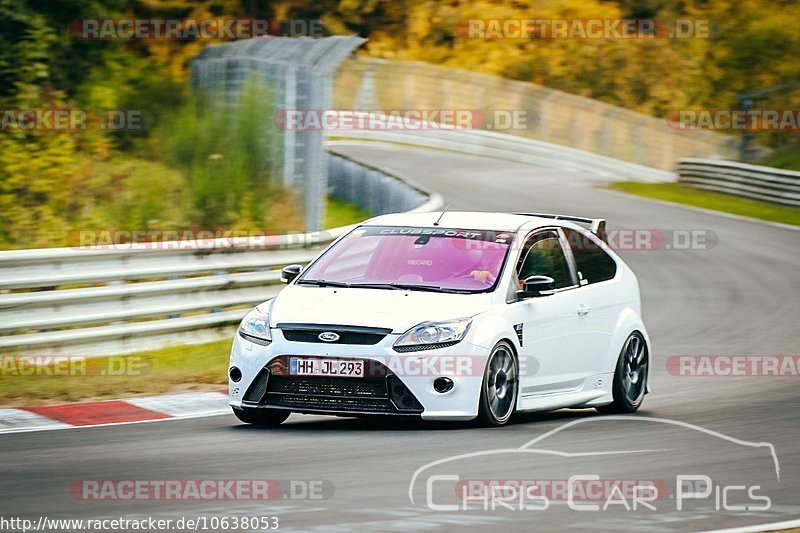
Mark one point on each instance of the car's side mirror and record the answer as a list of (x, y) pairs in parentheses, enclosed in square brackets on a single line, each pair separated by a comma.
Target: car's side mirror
[(536, 286), (290, 272)]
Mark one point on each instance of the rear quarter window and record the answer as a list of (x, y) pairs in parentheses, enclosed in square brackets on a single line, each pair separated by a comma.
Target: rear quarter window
[(593, 263)]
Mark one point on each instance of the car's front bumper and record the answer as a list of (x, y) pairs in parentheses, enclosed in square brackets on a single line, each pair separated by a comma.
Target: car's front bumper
[(464, 363)]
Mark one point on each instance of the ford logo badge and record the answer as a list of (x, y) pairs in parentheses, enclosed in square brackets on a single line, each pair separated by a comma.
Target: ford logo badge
[(328, 336)]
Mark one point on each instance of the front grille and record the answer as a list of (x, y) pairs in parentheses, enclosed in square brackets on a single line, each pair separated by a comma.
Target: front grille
[(380, 392), (328, 386), (332, 405), (357, 335)]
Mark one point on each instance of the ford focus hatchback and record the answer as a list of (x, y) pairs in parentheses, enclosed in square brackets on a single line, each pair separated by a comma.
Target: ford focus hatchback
[(453, 316)]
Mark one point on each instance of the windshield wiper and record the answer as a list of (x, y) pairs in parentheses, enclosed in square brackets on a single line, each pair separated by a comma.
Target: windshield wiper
[(390, 286), (403, 286), (429, 288), (323, 283)]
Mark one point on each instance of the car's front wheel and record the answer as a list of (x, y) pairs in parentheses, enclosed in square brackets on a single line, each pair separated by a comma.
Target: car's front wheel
[(499, 387), (261, 417), (630, 376)]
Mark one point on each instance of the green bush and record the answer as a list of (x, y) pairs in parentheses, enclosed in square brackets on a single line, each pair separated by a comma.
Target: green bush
[(229, 157)]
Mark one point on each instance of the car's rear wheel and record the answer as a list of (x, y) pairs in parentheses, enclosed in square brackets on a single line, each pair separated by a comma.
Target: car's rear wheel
[(261, 417), (630, 376), (499, 387)]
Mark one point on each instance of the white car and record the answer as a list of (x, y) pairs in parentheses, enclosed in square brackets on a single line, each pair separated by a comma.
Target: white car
[(447, 316)]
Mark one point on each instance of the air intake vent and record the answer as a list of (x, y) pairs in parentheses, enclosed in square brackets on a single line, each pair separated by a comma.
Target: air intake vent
[(354, 335), (380, 392)]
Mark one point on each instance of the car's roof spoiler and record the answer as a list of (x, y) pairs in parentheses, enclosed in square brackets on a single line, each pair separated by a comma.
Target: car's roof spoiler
[(596, 225)]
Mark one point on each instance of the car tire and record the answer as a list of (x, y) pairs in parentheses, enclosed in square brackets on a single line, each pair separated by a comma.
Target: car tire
[(261, 417), (499, 387), (630, 376)]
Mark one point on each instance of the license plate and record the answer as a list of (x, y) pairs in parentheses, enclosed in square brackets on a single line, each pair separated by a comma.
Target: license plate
[(303, 366)]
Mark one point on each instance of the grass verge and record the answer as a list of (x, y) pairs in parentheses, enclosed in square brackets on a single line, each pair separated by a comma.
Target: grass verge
[(682, 194), (339, 213), (175, 369), (786, 157)]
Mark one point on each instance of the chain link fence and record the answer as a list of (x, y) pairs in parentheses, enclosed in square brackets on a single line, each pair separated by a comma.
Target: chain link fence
[(553, 116), (313, 74), (298, 73)]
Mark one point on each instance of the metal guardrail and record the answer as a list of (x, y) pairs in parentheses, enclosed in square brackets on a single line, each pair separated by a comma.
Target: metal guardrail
[(372, 189), (512, 148), (99, 301), (740, 179)]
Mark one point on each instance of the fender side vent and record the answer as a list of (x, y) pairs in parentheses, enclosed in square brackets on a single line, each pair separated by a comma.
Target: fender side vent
[(518, 329)]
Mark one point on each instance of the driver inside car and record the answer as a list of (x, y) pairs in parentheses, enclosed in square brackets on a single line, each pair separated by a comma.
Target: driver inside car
[(487, 264)]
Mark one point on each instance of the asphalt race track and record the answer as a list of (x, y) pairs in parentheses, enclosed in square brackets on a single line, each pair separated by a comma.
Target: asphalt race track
[(741, 295)]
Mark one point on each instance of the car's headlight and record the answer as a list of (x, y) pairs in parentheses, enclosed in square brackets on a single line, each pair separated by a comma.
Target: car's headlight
[(255, 326), (430, 334)]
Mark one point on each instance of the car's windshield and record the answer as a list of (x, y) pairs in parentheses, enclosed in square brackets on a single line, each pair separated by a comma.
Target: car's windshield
[(413, 258)]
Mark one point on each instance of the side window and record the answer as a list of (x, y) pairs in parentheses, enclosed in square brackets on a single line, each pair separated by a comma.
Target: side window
[(542, 255), (592, 262)]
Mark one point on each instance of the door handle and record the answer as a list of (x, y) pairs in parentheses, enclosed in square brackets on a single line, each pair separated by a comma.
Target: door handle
[(583, 310)]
